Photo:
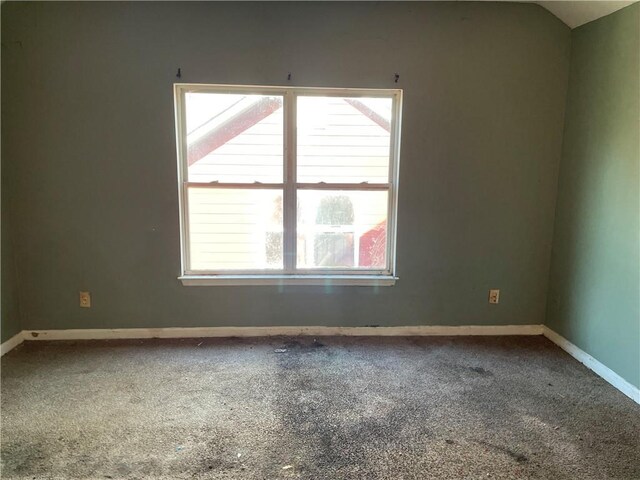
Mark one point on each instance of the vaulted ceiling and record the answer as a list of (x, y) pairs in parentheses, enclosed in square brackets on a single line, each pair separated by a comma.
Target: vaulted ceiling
[(576, 13)]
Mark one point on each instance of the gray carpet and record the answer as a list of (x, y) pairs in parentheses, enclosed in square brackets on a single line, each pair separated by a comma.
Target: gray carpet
[(335, 408)]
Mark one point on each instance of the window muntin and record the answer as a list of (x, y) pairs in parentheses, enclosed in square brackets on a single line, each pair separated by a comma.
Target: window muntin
[(289, 181)]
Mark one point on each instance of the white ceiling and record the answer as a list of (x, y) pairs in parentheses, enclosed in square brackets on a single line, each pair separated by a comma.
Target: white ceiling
[(572, 13), (578, 13)]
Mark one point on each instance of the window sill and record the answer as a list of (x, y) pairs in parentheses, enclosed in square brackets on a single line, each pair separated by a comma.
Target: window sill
[(325, 280)]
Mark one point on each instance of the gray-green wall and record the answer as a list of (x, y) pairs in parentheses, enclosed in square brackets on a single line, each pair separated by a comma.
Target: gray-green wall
[(10, 315), (594, 293), (89, 149)]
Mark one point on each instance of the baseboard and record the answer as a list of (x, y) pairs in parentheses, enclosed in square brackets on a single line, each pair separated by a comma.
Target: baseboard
[(12, 343), (591, 363), (196, 332), (418, 330)]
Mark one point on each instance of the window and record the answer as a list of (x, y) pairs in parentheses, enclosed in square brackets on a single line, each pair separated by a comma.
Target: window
[(283, 185)]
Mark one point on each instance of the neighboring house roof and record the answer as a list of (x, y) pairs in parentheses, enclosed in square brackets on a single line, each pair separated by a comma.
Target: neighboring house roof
[(370, 113), (232, 127)]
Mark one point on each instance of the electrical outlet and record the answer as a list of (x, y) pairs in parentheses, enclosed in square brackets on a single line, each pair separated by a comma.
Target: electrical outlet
[(85, 299), (494, 296)]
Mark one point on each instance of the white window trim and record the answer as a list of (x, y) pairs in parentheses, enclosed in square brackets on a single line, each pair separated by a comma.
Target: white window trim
[(290, 275), (327, 280)]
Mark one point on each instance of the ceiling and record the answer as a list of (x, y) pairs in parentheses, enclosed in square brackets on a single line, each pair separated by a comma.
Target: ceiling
[(572, 13), (578, 13)]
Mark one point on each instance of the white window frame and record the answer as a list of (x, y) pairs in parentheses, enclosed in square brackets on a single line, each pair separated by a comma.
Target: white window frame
[(290, 275)]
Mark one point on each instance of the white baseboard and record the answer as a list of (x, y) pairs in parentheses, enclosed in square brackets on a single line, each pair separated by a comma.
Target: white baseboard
[(591, 363), (12, 343), (418, 330), (197, 332)]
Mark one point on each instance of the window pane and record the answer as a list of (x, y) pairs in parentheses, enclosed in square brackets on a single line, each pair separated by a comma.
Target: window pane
[(234, 138), (343, 140), (235, 229), (342, 229)]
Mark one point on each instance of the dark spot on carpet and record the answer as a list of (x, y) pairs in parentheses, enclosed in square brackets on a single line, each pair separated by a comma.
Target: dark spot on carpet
[(518, 457), (481, 371)]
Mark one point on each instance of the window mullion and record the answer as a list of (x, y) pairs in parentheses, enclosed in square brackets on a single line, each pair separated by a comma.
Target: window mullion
[(290, 194)]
